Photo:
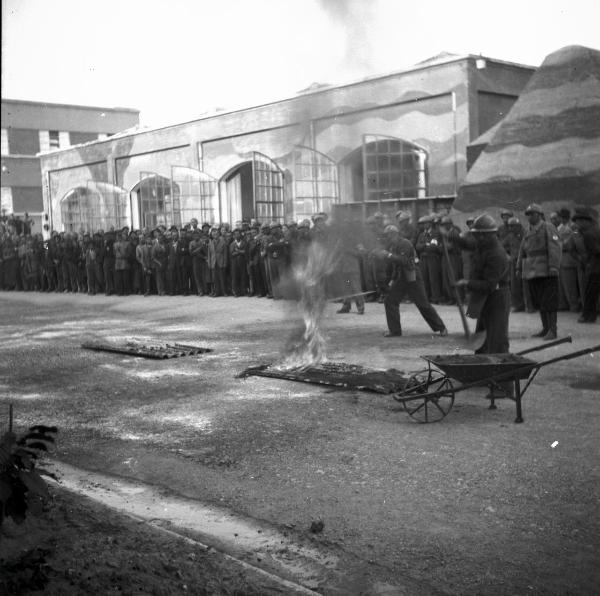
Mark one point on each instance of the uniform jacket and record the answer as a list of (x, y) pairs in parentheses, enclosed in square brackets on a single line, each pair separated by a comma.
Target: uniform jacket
[(489, 272), (591, 241), (540, 252), (403, 256)]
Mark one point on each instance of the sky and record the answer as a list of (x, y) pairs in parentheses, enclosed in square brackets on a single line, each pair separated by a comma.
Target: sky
[(177, 60)]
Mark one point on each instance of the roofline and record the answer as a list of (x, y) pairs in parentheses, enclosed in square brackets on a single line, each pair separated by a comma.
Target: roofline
[(324, 89), (69, 105)]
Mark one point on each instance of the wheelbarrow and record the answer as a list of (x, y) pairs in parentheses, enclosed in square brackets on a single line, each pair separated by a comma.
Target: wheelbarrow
[(428, 395)]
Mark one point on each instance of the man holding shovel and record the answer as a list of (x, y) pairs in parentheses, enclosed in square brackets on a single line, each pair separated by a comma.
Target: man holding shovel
[(406, 280), (488, 285)]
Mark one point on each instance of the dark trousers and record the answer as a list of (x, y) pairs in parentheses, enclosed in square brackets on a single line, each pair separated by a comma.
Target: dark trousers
[(431, 269), (544, 293), (197, 270), (494, 320), (590, 297), (109, 276), (517, 298), (161, 280), (122, 277), (92, 286), (415, 290), (447, 275), (218, 275), (239, 281)]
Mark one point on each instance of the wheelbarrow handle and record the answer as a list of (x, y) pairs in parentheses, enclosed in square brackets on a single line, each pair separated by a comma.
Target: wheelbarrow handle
[(556, 342), (569, 356)]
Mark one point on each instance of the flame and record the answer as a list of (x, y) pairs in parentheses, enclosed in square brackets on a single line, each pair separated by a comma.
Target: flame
[(310, 275)]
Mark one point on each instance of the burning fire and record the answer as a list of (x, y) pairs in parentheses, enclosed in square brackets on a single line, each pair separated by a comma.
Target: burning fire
[(310, 275)]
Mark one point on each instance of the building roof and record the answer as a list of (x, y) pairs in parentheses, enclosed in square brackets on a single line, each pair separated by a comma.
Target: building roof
[(548, 146), (26, 102)]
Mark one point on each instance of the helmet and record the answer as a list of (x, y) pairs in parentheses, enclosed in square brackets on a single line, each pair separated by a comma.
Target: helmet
[(446, 220), (484, 223), (402, 215), (533, 208), (424, 219), (389, 229), (378, 215), (514, 221)]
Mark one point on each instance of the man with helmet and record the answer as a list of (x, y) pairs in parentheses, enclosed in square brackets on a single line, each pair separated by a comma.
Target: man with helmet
[(406, 280), (488, 285), (539, 264), (511, 244)]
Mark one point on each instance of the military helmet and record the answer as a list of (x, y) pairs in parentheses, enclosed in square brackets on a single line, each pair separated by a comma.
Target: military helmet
[(390, 228), (533, 208), (514, 221), (484, 223), (402, 215)]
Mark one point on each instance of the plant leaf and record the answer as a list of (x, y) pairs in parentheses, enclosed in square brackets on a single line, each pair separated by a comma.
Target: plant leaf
[(34, 482)]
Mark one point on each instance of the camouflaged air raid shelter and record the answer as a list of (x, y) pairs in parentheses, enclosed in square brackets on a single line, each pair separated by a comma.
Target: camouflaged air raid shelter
[(365, 146), (547, 148)]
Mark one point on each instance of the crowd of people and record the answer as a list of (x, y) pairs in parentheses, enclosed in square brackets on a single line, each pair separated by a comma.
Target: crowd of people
[(250, 258)]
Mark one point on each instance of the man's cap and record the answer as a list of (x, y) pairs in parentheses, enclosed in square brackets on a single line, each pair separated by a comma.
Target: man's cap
[(378, 215), (402, 215), (305, 223), (424, 219), (484, 223), (446, 220), (564, 212), (318, 216), (205, 225), (389, 229), (533, 208), (584, 213)]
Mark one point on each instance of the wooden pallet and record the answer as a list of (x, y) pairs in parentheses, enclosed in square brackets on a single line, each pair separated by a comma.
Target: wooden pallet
[(336, 374), (156, 351)]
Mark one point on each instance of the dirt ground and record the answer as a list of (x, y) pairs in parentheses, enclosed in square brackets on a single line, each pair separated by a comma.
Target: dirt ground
[(474, 504)]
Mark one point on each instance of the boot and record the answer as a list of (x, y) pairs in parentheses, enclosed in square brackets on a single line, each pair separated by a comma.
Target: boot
[(545, 324), (552, 317)]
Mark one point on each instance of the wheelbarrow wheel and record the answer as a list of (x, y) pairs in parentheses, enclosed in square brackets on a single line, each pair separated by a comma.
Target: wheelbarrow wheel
[(426, 383)]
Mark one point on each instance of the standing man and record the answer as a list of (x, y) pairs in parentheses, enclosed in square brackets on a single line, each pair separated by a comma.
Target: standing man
[(587, 224), (488, 285), (539, 264), (406, 280), (569, 294)]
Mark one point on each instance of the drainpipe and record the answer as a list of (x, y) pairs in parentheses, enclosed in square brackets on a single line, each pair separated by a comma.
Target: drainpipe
[(455, 143)]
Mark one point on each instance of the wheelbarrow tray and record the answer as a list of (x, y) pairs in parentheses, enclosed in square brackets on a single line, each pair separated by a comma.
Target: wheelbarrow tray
[(470, 368)]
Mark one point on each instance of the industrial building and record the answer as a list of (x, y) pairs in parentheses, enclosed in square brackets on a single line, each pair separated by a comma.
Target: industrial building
[(30, 127), (399, 138)]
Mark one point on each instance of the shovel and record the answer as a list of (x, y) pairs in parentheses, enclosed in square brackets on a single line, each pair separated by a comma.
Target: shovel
[(473, 341)]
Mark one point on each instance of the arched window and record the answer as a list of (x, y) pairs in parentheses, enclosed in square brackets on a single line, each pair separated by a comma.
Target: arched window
[(198, 194), (384, 168), (315, 182), (268, 188), (96, 206), (157, 201)]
